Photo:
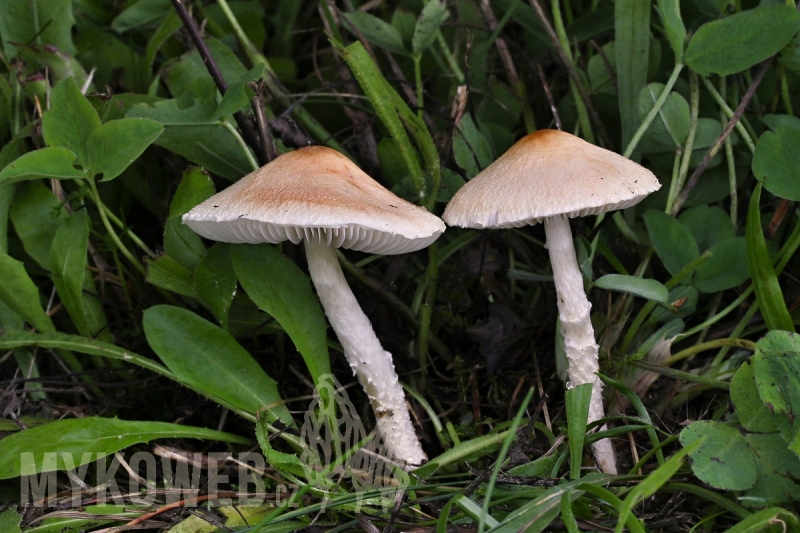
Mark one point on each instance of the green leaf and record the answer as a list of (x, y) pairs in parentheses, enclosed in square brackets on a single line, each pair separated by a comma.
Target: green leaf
[(68, 260), (280, 288), (168, 274), (10, 520), (183, 244), (79, 525), (471, 150), (37, 214), (169, 25), (671, 126), (726, 268), (377, 31), (723, 460), (649, 485), (141, 13), (18, 292), (477, 447), (632, 52), (776, 367), (738, 42), (87, 439), (433, 15), (670, 13), (70, 120), (765, 282), (577, 403), (776, 121), (777, 162), (116, 144), (238, 94), (58, 163), (37, 22), (772, 519), (208, 359), (752, 413), (385, 100), (13, 339), (195, 187), (709, 225), (646, 288), (215, 282), (777, 469), (672, 241)]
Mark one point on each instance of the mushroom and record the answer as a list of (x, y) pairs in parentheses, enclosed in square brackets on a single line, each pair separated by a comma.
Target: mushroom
[(317, 195), (550, 176)]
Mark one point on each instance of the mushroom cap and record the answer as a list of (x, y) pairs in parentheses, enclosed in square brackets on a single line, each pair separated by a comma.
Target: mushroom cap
[(315, 192), (545, 174)]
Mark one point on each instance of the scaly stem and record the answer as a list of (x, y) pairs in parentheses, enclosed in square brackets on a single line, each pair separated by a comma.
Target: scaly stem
[(576, 327), (371, 364)]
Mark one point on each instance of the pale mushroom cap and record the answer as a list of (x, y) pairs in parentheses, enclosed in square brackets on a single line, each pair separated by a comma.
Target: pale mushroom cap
[(315, 192), (545, 174)]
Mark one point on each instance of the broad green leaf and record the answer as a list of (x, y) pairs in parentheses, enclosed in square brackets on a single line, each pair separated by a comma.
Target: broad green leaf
[(36, 22), (172, 113), (726, 268), (405, 23), (776, 367), (768, 292), (430, 19), (116, 144), (772, 519), (776, 121), (777, 469), (181, 75), (18, 292), (449, 185), (736, 43), (70, 120), (281, 289), (709, 225), (58, 163), (215, 281), (723, 460), (377, 31), (777, 162), (183, 244), (393, 167), (10, 520), (195, 187), (168, 274), (752, 413), (208, 359), (13, 339), (60, 65), (471, 150), (141, 13), (671, 125), (672, 241), (646, 288), (632, 51), (670, 13), (474, 511), (87, 439), (68, 260), (238, 94), (577, 403), (36, 214), (169, 25)]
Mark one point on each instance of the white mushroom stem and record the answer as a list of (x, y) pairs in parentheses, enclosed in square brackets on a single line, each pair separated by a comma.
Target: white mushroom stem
[(576, 327), (371, 364)]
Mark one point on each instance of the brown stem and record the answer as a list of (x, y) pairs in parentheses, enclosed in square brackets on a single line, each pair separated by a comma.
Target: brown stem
[(248, 132), (550, 100), (690, 184)]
